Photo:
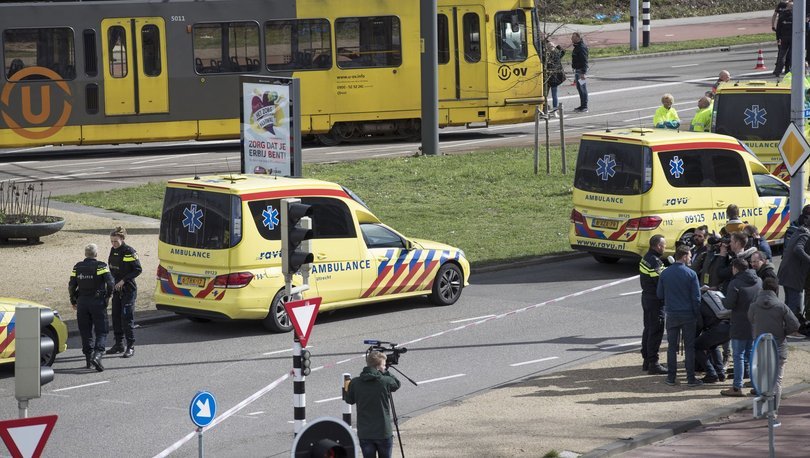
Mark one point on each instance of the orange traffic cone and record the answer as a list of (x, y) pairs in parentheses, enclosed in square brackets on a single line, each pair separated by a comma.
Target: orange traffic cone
[(760, 62)]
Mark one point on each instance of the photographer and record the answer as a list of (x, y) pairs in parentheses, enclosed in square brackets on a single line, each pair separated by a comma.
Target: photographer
[(371, 392), (756, 241)]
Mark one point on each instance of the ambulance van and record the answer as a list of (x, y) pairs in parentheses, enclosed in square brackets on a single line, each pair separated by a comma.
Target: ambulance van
[(634, 183), (220, 251), (758, 114)]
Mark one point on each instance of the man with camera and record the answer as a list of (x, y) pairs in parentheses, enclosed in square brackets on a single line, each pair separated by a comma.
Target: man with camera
[(371, 391)]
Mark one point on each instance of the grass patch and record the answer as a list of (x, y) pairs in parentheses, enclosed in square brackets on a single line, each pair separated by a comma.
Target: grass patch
[(608, 11), (490, 204), (624, 50)]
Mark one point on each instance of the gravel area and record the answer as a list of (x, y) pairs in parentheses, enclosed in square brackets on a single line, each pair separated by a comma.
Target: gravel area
[(40, 273)]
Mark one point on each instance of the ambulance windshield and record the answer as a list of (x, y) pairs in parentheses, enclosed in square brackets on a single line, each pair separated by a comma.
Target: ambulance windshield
[(755, 116), (609, 167), (200, 219)]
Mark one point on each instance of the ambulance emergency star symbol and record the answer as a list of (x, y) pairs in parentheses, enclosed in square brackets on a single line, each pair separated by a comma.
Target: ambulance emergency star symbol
[(755, 116), (270, 217), (676, 167), (193, 218), (606, 167)]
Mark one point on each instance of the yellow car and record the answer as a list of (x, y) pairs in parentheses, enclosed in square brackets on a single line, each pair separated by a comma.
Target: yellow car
[(57, 331), (220, 251), (630, 184)]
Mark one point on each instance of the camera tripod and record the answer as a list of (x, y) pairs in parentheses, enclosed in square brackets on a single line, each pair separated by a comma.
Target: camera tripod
[(394, 409)]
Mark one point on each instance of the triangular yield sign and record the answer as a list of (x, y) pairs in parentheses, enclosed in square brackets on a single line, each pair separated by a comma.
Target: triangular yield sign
[(26, 437), (302, 314)]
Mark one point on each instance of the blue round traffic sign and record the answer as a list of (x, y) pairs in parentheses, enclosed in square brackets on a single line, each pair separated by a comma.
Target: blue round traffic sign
[(203, 409)]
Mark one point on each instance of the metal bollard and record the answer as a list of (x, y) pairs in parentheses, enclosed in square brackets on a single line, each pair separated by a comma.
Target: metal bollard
[(347, 408), (562, 135)]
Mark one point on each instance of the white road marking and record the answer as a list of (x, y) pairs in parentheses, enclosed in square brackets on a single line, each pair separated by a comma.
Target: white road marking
[(256, 413), (115, 401), (392, 154), (534, 361), (80, 386), (152, 166), (440, 379), (630, 293), (163, 158), (471, 319), (346, 360), (328, 400), (628, 344), (310, 347), (85, 163), (224, 416), (115, 181), (685, 65)]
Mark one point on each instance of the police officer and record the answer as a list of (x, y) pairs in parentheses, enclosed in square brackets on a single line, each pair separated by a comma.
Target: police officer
[(90, 286), (650, 269), (125, 266)]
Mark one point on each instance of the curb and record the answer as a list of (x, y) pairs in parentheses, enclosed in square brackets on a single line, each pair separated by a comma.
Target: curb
[(544, 259), (682, 52), (678, 427), (154, 317)]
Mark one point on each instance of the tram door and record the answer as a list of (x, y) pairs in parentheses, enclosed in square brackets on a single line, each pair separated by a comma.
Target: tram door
[(136, 79), (462, 63)]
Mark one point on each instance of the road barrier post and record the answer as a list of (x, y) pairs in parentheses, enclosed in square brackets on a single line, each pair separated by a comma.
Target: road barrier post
[(347, 408)]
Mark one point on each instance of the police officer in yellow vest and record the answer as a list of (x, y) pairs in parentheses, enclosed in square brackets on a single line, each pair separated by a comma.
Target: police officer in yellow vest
[(665, 116), (702, 122)]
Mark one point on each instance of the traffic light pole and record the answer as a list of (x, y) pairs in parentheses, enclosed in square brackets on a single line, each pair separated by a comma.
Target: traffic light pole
[(30, 344), (798, 181), (299, 390)]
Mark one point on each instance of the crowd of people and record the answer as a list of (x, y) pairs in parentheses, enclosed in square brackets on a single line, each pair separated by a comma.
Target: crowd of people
[(720, 291)]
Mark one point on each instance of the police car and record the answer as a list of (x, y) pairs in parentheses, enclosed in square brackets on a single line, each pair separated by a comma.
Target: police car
[(57, 331), (220, 251)]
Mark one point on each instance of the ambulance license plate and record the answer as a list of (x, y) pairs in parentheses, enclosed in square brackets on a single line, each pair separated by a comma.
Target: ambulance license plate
[(605, 223), (185, 280)]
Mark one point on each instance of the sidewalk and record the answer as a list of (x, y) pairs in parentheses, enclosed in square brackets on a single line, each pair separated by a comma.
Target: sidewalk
[(666, 30)]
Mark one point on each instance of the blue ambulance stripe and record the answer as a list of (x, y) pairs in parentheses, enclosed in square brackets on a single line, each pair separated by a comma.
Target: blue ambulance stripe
[(416, 255), (388, 254), (402, 255)]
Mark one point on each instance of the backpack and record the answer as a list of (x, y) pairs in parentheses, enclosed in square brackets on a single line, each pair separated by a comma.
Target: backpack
[(714, 299)]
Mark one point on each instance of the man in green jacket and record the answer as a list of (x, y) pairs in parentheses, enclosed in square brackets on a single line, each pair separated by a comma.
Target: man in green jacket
[(702, 122), (371, 392)]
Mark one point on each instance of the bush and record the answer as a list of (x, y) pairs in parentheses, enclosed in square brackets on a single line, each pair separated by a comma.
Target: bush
[(595, 11)]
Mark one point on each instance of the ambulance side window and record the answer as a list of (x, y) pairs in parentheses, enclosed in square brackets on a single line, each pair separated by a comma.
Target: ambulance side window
[(377, 236), (331, 218), (770, 186), (266, 215), (729, 169), (685, 169)]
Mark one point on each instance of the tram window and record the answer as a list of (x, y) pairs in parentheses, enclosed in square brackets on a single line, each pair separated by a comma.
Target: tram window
[(150, 42), (510, 27), (117, 47), (90, 57), (472, 38), (226, 47), (364, 42), (50, 48), (303, 44), (443, 39)]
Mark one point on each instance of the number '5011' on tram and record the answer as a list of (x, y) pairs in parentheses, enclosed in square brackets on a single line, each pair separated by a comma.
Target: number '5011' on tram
[(137, 71)]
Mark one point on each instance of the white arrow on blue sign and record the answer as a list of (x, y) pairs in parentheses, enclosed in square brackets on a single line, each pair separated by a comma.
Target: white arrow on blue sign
[(203, 408), (807, 112)]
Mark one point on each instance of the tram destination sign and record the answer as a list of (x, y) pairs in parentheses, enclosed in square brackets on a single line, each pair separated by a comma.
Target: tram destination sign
[(270, 125)]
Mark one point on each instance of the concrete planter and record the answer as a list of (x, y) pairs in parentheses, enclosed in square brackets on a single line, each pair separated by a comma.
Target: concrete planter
[(30, 232)]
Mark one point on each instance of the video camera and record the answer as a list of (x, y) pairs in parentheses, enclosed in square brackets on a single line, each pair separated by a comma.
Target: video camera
[(391, 352)]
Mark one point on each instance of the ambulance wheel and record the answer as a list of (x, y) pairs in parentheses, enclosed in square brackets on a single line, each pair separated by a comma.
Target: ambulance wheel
[(277, 320), (447, 285), (602, 259)]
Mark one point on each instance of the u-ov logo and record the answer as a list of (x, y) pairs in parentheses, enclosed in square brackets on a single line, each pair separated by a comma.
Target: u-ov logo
[(26, 106)]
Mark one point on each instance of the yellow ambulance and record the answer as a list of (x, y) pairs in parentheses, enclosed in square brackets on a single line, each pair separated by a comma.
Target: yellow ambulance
[(220, 251), (758, 113), (630, 184)]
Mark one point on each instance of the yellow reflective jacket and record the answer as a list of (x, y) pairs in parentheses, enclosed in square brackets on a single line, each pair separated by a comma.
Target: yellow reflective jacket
[(702, 122), (666, 118)]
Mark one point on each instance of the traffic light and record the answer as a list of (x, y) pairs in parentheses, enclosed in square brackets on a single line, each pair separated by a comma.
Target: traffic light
[(296, 230), (305, 362), (30, 344), (325, 438)]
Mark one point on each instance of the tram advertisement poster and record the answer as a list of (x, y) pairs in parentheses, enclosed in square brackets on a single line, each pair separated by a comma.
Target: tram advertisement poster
[(270, 133)]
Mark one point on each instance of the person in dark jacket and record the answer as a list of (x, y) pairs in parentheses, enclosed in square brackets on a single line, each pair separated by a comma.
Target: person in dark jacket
[(795, 265), (649, 269), (90, 286), (125, 267), (713, 331), (371, 391), (768, 314), (579, 62), (742, 290), (784, 38), (679, 289), (554, 71), (756, 241), (760, 263)]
